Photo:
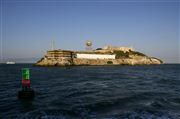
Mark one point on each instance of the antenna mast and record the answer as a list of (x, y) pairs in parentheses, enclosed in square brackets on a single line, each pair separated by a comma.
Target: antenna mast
[(52, 45)]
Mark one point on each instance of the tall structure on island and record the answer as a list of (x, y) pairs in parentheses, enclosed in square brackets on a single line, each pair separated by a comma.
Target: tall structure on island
[(52, 45), (88, 46)]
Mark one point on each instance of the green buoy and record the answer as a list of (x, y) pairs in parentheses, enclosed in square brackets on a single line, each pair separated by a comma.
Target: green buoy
[(26, 92)]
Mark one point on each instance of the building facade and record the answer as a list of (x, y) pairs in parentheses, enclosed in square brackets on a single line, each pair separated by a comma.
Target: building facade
[(55, 54), (95, 56), (124, 49)]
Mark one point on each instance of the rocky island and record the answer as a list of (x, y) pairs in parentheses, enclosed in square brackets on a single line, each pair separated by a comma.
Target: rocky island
[(108, 55)]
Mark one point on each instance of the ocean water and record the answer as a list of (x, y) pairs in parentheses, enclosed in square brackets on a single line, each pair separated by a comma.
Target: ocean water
[(92, 92)]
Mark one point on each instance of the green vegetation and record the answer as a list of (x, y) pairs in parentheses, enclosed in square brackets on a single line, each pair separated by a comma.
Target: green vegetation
[(121, 54), (99, 49), (109, 62), (136, 53)]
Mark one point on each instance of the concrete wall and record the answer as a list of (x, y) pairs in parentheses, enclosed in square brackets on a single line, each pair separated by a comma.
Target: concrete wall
[(95, 56)]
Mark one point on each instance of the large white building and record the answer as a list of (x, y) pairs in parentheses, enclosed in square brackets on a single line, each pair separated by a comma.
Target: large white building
[(96, 56)]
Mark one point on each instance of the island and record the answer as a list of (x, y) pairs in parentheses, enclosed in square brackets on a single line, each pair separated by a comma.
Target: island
[(108, 55)]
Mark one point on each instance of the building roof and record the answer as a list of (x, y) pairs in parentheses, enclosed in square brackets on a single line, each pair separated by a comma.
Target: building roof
[(59, 50)]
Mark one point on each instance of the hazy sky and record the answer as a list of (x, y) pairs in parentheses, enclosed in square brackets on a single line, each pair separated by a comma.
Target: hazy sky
[(150, 26)]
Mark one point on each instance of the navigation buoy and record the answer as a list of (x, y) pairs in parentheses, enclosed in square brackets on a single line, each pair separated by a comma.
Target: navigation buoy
[(26, 92)]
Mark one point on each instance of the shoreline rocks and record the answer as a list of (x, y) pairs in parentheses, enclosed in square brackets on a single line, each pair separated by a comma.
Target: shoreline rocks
[(100, 62)]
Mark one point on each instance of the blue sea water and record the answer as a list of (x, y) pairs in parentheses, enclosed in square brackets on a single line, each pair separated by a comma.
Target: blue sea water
[(92, 92)]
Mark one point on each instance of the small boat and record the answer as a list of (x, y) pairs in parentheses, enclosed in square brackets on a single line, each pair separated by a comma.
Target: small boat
[(10, 62)]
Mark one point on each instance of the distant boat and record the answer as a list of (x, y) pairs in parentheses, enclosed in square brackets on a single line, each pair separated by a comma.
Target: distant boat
[(10, 62)]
